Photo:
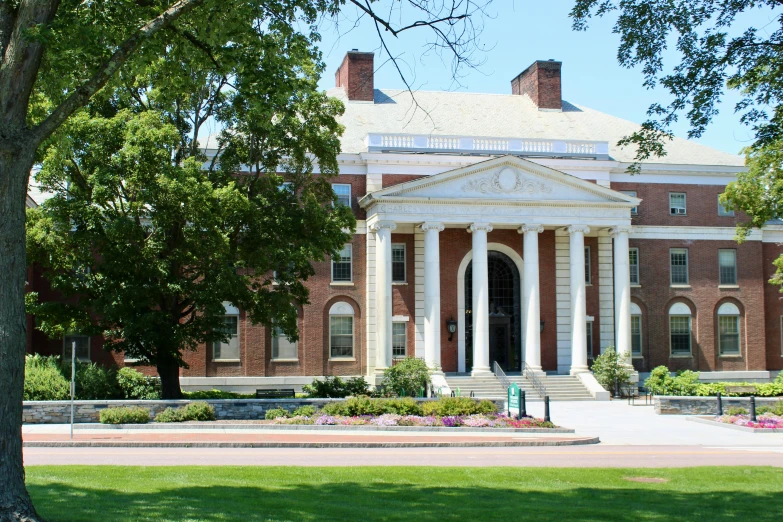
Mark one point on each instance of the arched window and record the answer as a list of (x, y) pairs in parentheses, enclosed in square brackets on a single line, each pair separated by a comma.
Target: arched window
[(680, 330), (729, 329), (341, 316), (636, 330)]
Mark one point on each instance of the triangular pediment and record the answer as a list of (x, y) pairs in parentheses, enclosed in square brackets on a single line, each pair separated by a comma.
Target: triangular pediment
[(504, 178)]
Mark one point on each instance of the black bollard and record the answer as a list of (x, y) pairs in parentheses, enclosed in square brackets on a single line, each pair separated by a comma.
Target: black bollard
[(546, 409), (752, 408), (720, 406), (522, 405)]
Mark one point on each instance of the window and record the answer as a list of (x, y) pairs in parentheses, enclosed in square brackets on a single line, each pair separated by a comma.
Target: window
[(287, 185), (282, 347), (680, 329), (722, 210), (634, 210), (587, 265), (398, 263), (676, 203), (341, 265), (399, 339), (727, 265), (633, 265), (636, 330), (341, 331), (228, 350), (679, 266), (729, 329), (82, 347), (343, 193), (589, 343)]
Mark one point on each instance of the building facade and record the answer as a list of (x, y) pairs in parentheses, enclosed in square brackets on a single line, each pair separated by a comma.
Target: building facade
[(506, 229)]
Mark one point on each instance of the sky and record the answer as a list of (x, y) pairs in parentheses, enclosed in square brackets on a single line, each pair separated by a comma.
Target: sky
[(518, 33)]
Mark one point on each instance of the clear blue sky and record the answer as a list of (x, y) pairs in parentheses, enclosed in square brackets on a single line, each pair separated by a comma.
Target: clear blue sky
[(521, 33)]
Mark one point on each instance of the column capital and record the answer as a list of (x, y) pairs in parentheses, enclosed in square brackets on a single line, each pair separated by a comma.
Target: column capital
[(378, 225), (616, 231), (573, 229), (474, 227), (432, 225), (530, 228)]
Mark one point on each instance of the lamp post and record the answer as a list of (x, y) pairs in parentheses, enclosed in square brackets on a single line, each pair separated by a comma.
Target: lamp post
[(451, 326)]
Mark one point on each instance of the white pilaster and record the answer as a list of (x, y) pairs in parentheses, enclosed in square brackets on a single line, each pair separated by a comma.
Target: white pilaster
[(432, 294), (383, 271), (606, 290), (418, 283), (563, 301), (622, 290), (480, 298), (578, 302), (531, 293)]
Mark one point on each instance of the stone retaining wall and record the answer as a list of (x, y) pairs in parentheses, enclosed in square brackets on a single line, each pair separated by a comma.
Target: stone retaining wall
[(669, 405), (59, 412)]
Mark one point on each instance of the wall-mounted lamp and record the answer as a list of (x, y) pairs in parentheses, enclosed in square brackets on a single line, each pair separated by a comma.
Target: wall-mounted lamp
[(451, 326), (542, 326)]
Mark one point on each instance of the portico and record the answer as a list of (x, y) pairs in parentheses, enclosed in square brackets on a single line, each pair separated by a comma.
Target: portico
[(501, 194)]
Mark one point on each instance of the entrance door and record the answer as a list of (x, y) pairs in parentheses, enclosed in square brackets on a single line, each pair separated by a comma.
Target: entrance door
[(500, 342)]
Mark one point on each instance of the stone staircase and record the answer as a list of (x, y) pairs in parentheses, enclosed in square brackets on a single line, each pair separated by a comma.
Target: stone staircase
[(558, 387)]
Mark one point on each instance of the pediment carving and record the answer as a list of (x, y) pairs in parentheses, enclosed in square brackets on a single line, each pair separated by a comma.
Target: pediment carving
[(507, 181)]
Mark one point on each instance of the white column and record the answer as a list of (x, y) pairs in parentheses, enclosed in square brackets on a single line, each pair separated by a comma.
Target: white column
[(622, 290), (578, 303), (432, 294), (480, 299), (383, 295), (532, 301)]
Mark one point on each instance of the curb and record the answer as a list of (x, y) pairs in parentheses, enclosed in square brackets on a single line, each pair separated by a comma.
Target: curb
[(702, 420), (320, 445), (310, 427)]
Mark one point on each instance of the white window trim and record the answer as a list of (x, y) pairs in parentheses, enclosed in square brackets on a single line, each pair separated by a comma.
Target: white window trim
[(722, 212), (739, 338), (343, 282), (632, 193), (687, 282), (352, 357), (350, 200), (735, 284), (405, 343), (684, 204), (89, 348), (282, 359), (239, 346), (639, 355), (638, 275), (404, 264), (690, 337)]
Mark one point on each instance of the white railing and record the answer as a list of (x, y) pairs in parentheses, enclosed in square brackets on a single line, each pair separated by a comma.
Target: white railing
[(487, 145)]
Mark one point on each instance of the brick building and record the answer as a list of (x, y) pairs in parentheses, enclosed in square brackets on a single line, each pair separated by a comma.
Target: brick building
[(505, 229)]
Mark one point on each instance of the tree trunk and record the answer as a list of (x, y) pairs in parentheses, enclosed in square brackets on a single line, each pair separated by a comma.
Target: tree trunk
[(169, 380), (16, 161)]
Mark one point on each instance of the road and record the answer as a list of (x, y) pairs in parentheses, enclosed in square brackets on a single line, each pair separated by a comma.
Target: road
[(582, 456)]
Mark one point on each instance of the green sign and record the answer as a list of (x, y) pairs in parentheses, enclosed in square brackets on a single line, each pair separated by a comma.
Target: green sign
[(513, 397)]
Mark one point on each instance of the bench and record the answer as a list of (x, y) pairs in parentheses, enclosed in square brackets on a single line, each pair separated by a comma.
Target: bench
[(275, 394), (741, 389)]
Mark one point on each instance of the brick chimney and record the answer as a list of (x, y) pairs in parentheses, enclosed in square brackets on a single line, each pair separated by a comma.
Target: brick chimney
[(540, 81), (355, 75)]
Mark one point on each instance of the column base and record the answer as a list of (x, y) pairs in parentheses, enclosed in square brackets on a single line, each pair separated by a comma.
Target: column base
[(578, 369), (480, 371), (378, 371), (436, 371)]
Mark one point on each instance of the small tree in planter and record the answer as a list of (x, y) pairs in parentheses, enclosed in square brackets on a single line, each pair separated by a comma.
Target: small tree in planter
[(406, 377), (611, 371)]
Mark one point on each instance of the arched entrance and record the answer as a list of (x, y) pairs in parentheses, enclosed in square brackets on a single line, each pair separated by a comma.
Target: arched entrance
[(505, 343)]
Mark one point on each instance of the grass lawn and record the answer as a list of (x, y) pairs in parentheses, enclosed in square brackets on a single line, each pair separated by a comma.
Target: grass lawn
[(70, 493)]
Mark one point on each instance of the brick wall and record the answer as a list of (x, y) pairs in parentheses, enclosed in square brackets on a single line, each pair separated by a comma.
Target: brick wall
[(773, 301), (355, 75), (540, 81)]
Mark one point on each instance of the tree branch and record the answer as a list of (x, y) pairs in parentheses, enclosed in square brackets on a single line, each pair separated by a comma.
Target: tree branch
[(83, 93)]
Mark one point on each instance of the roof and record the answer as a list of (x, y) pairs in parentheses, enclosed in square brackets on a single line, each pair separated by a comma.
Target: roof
[(502, 115)]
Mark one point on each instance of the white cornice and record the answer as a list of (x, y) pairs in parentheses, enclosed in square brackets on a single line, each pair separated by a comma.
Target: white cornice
[(691, 233)]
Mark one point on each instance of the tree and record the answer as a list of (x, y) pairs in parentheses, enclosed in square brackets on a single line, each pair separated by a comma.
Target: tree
[(56, 55), (612, 370), (715, 53)]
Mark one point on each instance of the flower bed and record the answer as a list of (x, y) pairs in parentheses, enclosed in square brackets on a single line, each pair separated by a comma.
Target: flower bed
[(489, 420), (766, 421)]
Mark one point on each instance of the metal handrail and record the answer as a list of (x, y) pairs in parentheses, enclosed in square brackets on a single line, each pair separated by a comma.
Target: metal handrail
[(501, 375), (535, 381)]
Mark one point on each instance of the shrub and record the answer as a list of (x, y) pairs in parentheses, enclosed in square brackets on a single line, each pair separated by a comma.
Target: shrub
[(134, 385), (335, 408), (610, 370), (453, 406), (737, 411), (94, 382), (336, 388), (407, 377), (43, 379), (775, 409), (217, 394), (276, 413), (304, 411), (661, 382), (131, 415), (195, 411)]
